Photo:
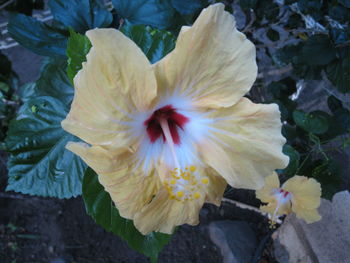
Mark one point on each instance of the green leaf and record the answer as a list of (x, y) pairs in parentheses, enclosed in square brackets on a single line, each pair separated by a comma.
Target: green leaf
[(273, 35), (77, 48), (37, 36), (157, 13), (338, 72), (334, 104), (54, 81), (318, 50), (283, 88), (27, 91), (81, 15), (39, 164), (185, 7), (100, 207), (153, 42), (345, 3), (294, 159), (328, 174), (5, 66), (315, 122)]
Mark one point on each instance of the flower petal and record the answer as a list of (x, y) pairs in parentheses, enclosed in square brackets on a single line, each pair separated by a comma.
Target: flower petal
[(309, 215), (115, 80), (245, 143), (216, 187), (265, 194), (129, 188), (306, 192), (164, 214), (212, 62)]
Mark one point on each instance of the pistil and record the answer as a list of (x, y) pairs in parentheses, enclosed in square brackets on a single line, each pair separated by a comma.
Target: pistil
[(169, 140)]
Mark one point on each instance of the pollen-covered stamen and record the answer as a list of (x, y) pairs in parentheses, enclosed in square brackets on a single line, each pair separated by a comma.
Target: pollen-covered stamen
[(186, 184), (174, 121)]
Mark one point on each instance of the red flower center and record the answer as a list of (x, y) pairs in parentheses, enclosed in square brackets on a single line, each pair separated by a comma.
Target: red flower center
[(174, 119), (284, 193)]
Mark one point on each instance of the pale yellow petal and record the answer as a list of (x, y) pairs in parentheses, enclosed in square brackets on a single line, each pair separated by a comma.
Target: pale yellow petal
[(265, 194), (163, 214), (245, 143), (309, 215), (306, 192), (215, 188), (129, 188), (212, 62), (116, 80)]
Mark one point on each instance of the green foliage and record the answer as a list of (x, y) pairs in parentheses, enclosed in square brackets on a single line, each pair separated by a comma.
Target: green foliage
[(185, 7), (315, 122), (39, 164), (338, 73), (157, 13), (153, 42), (318, 50), (54, 81), (100, 207), (77, 49), (40, 38), (294, 160), (8, 98), (81, 15)]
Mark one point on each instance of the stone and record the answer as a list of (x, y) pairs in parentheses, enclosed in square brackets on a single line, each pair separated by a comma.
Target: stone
[(325, 241), (235, 239)]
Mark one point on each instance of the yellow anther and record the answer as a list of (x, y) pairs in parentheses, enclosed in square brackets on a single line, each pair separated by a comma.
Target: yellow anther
[(172, 181), (196, 195), (205, 180), (193, 168), (180, 194)]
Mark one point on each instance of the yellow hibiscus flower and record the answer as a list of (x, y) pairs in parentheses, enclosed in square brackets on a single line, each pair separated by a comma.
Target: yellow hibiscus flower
[(298, 194), (165, 138)]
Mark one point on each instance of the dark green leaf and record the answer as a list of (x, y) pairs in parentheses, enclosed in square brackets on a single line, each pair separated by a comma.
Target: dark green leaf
[(339, 13), (273, 35), (286, 55), (248, 4), (157, 13), (318, 50), (37, 36), (283, 88), (81, 15), (289, 132), (185, 7), (39, 164), (294, 159), (27, 91), (338, 72), (334, 104), (100, 207), (54, 81), (314, 122), (342, 121), (5, 66), (77, 48), (328, 175), (311, 7), (153, 42), (345, 3)]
